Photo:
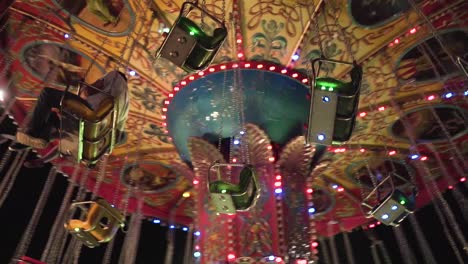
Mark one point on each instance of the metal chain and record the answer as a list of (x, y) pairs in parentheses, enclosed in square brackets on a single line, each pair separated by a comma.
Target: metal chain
[(343, 33), (422, 242), (404, 246), (9, 179)]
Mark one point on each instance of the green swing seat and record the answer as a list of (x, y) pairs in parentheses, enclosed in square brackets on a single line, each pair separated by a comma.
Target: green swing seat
[(229, 198), (188, 46)]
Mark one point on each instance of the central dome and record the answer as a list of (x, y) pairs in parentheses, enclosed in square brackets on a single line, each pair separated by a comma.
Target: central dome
[(209, 107)]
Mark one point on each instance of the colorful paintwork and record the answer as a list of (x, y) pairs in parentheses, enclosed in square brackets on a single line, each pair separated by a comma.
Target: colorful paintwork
[(278, 39)]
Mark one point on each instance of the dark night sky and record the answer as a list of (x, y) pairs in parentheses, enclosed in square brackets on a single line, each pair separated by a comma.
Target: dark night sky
[(18, 208)]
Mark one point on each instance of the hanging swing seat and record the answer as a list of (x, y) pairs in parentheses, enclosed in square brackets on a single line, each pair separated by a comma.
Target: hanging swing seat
[(229, 198), (87, 134), (333, 107), (190, 47), (394, 207), (101, 222)]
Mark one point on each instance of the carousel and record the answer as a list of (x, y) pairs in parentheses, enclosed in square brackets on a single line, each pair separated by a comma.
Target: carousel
[(264, 129)]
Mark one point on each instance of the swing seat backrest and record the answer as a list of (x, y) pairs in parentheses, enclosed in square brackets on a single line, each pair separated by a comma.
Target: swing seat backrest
[(90, 133), (101, 223)]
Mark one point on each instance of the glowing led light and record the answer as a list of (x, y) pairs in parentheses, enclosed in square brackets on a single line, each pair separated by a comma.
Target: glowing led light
[(234, 160), (278, 177), (171, 95), (66, 35), (271, 159), (271, 258), (259, 66), (247, 65), (371, 225), (394, 208), (185, 229), (166, 102), (402, 202), (385, 216), (295, 57), (163, 117), (195, 182), (235, 65), (164, 109), (186, 194), (197, 233), (392, 152), (315, 244), (312, 210), (239, 41), (335, 186), (201, 73), (272, 68), (283, 71), (310, 190), (448, 95), (269, 147), (381, 108), (196, 254), (222, 67), (278, 190), (412, 31), (2, 95), (176, 88), (277, 184), (340, 189), (396, 41), (76, 229), (305, 80), (450, 187), (156, 221), (362, 150), (236, 142), (240, 55), (423, 158), (166, 30), (465, 93), (242, 132), (463, 179), (132, 73), (301, 261), (172, 226), (231, 256), (431, 97), (321, 137), (294, 75), (191, 78), (414, 156), (278, 259)]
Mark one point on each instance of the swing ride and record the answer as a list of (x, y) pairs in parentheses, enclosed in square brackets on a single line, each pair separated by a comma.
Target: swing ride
[(264, 128)]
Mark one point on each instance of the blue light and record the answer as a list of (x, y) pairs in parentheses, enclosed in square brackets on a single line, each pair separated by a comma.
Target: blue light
[(66, 35), (295, 57), (320, 137), (236, 142), (185, 228), (171, 226), (271, 257), (465, 93), (385, 216), (196, 254), (394, 208), (197, 233), (414, 156), (448, 95), (242, 132), (156, 221), (325, 99), (312, 210), (278, 191), (335, 186), (132, 73)]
